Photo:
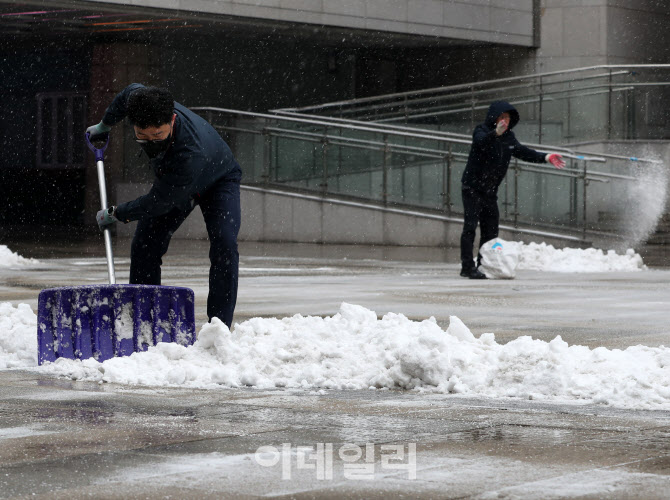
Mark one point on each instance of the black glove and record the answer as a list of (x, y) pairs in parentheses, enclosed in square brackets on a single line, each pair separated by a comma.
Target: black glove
[(106, 218)]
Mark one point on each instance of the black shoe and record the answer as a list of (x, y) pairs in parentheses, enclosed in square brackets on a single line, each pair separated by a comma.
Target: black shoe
[(473, 274), (476, 274)]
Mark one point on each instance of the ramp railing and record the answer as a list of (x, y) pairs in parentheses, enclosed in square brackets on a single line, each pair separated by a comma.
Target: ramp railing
[(607, 102), (421, 169)]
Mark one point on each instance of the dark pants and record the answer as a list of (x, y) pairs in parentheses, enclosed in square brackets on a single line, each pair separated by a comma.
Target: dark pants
[(220, 206), (482, 209)]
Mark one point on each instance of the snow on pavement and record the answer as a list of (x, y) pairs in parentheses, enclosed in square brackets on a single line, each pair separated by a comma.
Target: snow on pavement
[(533, 256), (355, 350), (543, 257), (11, 259)]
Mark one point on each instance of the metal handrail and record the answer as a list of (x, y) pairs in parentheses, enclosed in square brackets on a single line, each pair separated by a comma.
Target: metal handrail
[(411, 132), (319, 173), (362, 128), (516, 100), (530, 98), (442, 135), (430, 153), (461, 102), (407, 132), (485, 82), (391, 101), (422, 152)]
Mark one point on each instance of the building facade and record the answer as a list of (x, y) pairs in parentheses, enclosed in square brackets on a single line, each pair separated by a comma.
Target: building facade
[(63, 61)]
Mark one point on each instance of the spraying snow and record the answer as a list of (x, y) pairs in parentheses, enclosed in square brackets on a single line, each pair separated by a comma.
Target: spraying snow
[(632, 205), (11, 259), (645, 201), (355, 350)]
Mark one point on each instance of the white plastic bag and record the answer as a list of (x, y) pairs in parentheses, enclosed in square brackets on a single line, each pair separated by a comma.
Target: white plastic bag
[(500, 258)]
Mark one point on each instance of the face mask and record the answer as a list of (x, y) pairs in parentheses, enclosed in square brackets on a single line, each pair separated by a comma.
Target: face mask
[(155, 148)]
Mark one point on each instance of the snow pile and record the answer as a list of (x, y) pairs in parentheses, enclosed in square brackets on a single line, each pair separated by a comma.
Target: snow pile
[(355, 350), (18, 336), (543, 257), (11, 259)]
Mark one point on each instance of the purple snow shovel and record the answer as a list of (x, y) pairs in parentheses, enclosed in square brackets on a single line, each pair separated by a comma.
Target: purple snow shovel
[(104, 321)]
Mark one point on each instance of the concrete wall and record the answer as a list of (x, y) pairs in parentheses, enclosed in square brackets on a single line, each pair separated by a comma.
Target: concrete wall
[(489, 38), (500, 21), (637, 31), (277, 216), (576, 33), (573, 34)]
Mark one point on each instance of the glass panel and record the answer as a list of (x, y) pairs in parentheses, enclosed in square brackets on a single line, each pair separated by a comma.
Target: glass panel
[(415, 180), (355, 171), (544, 199), (457, 168), (295, 159)]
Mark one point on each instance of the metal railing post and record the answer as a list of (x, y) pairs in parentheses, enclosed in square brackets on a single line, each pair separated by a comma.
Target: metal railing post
[(338, 170), (632, 122), (324, 162), (569, 110), (406, 109), (505, 202), (539, 121), (574, 197), (609, 106), (267, 158), (586, 183), (472, 108), (447, 180), (385, 174), (516, 193)]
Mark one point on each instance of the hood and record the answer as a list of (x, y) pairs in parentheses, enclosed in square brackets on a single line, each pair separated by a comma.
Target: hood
[(498, 108)]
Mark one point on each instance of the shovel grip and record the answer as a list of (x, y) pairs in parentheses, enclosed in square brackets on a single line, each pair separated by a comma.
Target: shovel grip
[(99, 152)]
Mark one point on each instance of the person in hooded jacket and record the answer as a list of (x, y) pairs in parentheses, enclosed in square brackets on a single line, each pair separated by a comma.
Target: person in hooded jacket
[(192, 166), (493, 145)]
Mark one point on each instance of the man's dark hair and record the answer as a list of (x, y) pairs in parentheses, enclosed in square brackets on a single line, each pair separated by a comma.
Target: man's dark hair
[(150, 107)]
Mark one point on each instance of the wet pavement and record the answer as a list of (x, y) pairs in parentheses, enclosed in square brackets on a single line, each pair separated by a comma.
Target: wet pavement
[(64, 439)]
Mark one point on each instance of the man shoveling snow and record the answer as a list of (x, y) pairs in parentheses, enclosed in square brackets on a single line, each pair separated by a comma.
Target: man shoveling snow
[(193, 166)]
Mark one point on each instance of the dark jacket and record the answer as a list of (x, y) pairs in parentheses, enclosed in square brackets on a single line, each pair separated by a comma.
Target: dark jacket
[(197, 158), (490, 154)]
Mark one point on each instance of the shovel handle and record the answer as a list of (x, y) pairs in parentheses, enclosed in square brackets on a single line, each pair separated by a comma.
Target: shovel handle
[(99, 160)]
